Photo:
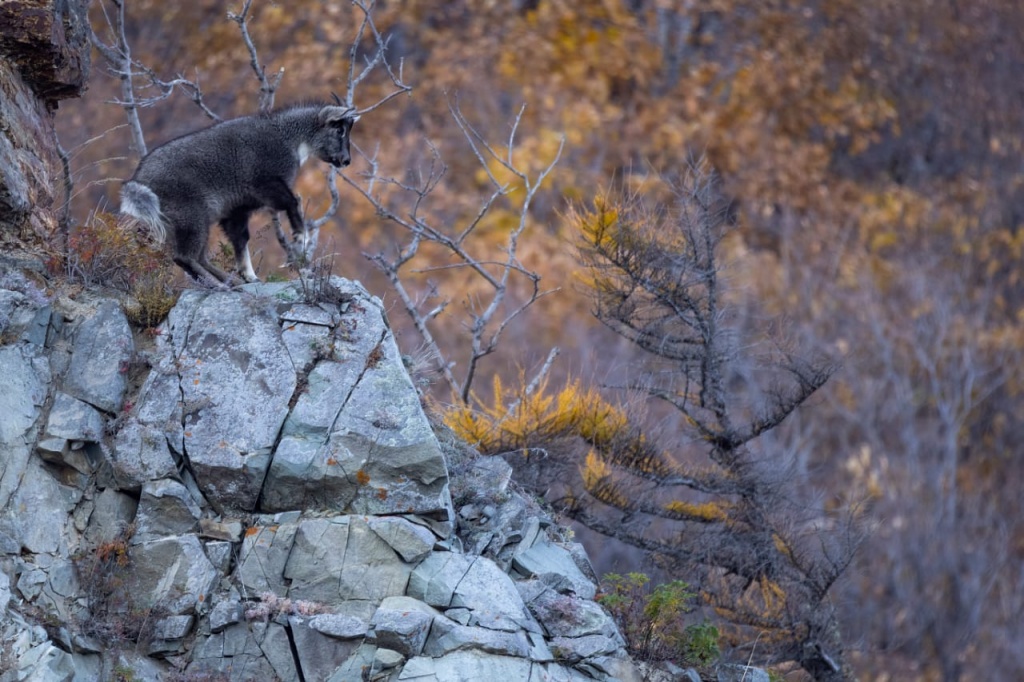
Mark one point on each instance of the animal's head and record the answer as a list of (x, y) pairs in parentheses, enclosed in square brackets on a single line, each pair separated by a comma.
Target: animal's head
[(331, 143)]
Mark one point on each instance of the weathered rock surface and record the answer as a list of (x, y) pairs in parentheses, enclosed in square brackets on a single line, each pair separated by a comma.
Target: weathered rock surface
[(259, 511), (99, 362)]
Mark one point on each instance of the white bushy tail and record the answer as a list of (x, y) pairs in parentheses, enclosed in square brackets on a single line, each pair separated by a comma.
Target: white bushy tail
[(141, 203)]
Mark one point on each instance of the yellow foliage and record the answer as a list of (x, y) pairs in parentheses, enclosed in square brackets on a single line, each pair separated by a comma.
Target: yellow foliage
[(599, 482), (708, 512), (515, 420)]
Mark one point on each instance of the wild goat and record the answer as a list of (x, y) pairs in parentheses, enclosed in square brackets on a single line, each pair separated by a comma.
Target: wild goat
[(225, 172)]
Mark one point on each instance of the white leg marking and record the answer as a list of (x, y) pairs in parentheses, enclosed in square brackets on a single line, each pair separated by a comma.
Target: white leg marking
[(250, 274)]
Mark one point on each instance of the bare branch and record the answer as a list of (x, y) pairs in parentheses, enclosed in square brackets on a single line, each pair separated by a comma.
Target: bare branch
[(268, 85), (119, 59), (489, 316), (378, 59)]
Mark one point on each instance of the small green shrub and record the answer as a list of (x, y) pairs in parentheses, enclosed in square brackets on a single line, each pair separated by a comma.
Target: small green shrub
[(702, 644), (651, 619)]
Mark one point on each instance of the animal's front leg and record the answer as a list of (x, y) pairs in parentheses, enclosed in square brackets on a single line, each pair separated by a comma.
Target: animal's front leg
[(278, 196), (243, 265), (236, 226)]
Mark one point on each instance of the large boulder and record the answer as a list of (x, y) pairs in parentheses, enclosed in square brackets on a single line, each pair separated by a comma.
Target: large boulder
[(236, 382)]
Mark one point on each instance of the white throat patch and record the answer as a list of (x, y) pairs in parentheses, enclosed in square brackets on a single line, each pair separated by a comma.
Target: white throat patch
[(304, 151)]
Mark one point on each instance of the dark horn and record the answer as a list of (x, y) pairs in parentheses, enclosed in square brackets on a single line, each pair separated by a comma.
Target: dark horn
[(337, 100)]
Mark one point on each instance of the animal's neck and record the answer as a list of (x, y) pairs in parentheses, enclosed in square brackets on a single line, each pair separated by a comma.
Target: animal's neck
[(304, 152)]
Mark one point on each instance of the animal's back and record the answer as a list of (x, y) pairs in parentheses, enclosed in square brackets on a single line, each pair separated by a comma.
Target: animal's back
[(203, 176), (209, 158)]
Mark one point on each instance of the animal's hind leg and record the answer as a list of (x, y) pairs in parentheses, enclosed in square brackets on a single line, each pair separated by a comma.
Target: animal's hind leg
[(236, 226), (190, 255)]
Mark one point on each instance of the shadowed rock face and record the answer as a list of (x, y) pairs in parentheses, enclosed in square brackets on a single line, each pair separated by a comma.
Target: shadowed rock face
[(44, 57)]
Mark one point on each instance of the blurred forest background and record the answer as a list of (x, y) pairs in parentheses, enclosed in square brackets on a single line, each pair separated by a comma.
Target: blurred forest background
[(872, 154)]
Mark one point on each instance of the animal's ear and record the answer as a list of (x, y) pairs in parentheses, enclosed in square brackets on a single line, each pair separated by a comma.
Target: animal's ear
[(332, 115)]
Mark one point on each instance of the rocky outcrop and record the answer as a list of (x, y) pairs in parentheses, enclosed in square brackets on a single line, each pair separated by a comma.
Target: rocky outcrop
[(253, 491), (44, 57)]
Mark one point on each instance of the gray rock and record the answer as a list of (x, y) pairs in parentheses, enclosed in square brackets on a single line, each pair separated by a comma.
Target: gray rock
[(141, 454), (112, 513), (23, 318), (383, 439), (545, 558), (687, 675), (568, 616), (26, 378), (493, 598), (62, 579), (319, 655), (46, 663), (30, 583), (305, 475), (556, 672), (357, 439), (5, 591), (466, 666), (411, 541), (574, 649), (446, 579), (339, 625), (740, 673), (103, 349), (135, 665), (317, 559), (173, 573), (225, 614), (447, 636), (579, 554), (435, 579), (385, 659), (306, 343), (41, 530), (73, 419), (276, 646), (328, 388), (614, 669), (236, 381), (236, 655), (263, 556), (165, 508), (169, 632), (322, 315), (484, 478), (228, 531), (71, 424), (402, 624), (340, 558), (219, 554), (363, 665), (159, 404)]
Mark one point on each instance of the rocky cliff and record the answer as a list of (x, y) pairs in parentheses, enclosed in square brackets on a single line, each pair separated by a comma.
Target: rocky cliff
[(253, 492), (250, 491)]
